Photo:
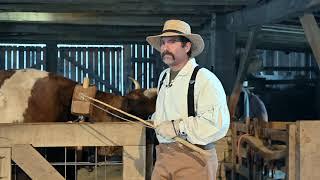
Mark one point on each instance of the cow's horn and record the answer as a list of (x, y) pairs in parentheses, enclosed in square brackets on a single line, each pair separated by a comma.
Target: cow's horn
[(150, 93), (136, 83)]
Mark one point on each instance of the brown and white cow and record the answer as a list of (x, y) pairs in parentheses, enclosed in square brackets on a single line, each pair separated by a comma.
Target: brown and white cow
[(31, 95)]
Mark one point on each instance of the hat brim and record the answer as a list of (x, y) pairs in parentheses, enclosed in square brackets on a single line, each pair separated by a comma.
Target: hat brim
[(196, 40)]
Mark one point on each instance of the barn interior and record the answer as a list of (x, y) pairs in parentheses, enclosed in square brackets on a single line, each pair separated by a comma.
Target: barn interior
[(268, 47)]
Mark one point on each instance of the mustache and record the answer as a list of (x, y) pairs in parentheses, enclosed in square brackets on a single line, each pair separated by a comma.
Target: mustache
[(167, 53)]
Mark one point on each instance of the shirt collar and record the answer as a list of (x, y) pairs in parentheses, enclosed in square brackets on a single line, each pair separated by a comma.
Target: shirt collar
[(188, 68)]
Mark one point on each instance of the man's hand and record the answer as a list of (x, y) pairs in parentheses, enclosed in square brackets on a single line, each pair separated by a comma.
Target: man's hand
[(168, 129)]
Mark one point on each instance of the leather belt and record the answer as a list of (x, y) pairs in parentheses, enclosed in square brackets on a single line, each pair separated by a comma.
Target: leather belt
[(206, 147)]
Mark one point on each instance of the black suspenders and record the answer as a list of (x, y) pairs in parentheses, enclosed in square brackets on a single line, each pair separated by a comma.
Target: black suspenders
[(191, 111)]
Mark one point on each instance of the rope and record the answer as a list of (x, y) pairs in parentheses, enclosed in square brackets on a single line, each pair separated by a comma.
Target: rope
[(117, 116)]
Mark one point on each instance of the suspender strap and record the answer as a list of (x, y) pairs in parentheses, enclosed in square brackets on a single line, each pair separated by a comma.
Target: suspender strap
[(191, 111), (161, 82)]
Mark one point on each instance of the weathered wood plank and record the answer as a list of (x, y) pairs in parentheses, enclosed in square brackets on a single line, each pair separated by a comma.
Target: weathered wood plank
[(270, 12), (33, 163), (291, 158), (312, 33), (5, 163), (134, 162), (69, 134), (308, 144)]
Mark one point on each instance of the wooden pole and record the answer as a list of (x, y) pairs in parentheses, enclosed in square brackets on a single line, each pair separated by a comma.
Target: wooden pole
[(177, 139)]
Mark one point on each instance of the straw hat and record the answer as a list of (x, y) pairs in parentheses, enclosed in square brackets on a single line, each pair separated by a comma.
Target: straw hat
[(178, 28)]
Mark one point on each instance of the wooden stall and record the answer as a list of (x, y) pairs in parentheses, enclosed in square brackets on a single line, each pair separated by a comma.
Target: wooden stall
[(17, 142), (298, 149)]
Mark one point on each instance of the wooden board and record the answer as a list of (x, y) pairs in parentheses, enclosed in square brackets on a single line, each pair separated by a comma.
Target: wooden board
[(134, 159), (74, 134), (308, 145), (33, 164), (5, 163)]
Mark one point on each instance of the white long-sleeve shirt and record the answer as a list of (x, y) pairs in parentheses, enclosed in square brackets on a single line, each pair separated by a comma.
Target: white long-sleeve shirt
[(212, 115)]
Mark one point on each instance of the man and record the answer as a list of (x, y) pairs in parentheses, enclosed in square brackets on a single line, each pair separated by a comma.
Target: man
[(208, 123)]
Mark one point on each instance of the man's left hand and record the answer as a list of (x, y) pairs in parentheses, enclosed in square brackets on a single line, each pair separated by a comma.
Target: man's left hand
[(168, 129)]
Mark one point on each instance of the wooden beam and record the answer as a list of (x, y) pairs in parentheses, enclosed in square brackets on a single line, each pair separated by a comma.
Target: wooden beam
[(119, 8), (312, 33), (110, 2), (271, 12), (74, 134), (94, 19), (291, 158), (33, 163), (242, 71)]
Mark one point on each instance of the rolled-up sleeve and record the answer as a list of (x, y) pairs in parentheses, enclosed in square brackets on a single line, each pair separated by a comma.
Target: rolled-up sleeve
[(212, 120)]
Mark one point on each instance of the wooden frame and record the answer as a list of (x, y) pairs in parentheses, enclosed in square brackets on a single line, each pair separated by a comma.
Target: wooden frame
[(302, 139), (17, 138)]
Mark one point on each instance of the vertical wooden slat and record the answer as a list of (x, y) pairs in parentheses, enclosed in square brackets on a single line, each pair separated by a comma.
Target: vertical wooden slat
[(28, 61), (90, 63), (44, 58), (85, 60), (145, 62), (80, 61), (101, 50), (38, 57), (33, 57), (15, 58), (127, 67), (21, 57), (69, 64), (9, 58), (111, 55), (139, 64), (73, 64), (104, 68), (119, 75), (96, 57), (107, 65), (134, 63), (2, 58), (114, 79)]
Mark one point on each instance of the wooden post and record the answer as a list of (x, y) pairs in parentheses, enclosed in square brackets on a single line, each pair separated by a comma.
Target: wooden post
[(291, 157), (51, 58), (32, 163), (234, 147), (312, 33), (5, 163), (242, 71), (134, 160)]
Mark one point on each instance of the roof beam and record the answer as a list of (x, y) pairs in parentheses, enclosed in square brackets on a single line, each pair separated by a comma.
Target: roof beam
[(121, 8), (271, 12), (166, 2), (92, 19)]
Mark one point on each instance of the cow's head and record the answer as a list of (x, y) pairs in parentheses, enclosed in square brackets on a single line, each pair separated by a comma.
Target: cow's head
[(141, 102)]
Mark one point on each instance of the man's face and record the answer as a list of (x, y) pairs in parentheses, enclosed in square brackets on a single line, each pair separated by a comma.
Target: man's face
[(172, 51)]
